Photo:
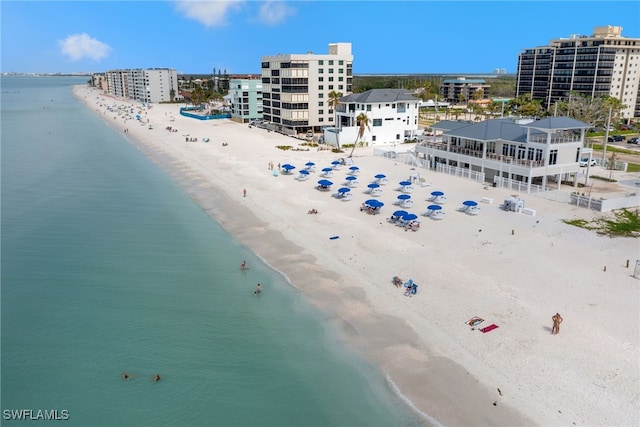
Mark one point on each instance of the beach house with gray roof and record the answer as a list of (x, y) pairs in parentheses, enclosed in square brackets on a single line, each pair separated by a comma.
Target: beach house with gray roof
[(392, 113), (530, 151)]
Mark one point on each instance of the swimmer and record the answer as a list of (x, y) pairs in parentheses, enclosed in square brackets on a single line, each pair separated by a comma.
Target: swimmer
[(156, 378), (125, 376), (258, 289), (243, 266)]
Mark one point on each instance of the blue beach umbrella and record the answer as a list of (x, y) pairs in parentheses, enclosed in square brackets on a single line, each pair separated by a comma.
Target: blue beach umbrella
[(373, 185), (405, 183), (374, 203), (437, 193), (434, 207), (351, 178), (409, 217), (343, 190), (404, 197), (470, 203), (354, 168), (327, 169), (336, 162), (309, 164), (400, 213), (288, 167), (304, 172), (380, 176), (325, 183)]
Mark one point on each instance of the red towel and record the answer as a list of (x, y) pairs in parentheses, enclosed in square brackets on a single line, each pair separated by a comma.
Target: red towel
[(489, 328)]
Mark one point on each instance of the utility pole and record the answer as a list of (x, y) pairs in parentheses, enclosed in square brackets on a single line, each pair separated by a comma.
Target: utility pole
[(606, 136)]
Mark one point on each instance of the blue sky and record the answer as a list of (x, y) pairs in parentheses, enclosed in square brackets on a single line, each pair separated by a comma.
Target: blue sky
[(197, 36)]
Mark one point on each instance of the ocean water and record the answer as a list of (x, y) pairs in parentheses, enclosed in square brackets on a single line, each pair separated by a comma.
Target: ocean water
[(108, 266)]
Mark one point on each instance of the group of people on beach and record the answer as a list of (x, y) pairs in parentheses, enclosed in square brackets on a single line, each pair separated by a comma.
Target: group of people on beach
[(126, 376)]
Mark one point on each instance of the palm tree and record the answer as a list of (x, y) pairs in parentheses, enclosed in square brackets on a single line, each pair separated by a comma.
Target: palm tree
[(334, 101), (363, 122)]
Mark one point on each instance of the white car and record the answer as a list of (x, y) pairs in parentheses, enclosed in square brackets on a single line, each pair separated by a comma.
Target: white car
[(585, 162)]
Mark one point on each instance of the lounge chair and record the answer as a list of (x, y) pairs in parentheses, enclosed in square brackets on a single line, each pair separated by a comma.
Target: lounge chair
[(347, 197), (424, 183)]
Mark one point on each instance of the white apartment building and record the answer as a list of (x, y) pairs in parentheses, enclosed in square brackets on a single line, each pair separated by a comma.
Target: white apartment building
[(296, 87), (117, 83), (392, 114), (605, 63), (144, 85)]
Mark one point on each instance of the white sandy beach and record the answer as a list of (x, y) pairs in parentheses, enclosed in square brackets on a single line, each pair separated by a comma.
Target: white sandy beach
[(510, 269)]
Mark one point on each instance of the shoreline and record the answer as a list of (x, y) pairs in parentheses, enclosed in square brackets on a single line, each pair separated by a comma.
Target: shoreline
[(415, 342)]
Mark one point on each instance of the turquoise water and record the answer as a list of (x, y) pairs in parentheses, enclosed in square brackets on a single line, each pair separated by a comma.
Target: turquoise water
[(107, 266)]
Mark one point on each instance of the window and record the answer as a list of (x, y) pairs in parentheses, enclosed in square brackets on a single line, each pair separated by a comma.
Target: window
[(340, 78), (341, 62), (320, 104), (321, 95), (320, 111), (331, 62), (321, 62), (330, 70), (320, 79), (340, 87), (321, 87), (340, 71), (320, 70), (331, 78), (377, 122), (368, 107), (397, 136)]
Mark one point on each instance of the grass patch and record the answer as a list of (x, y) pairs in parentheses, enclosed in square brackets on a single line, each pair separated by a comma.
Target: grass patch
[(613, 148), (602, 178), (624, 223), (633, 167)]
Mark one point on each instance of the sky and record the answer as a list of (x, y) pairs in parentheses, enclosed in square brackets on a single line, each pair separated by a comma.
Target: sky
[(388, 37)]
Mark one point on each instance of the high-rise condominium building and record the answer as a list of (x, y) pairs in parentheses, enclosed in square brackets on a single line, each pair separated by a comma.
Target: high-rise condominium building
[(144, 85), (296, 87), (604, 63)]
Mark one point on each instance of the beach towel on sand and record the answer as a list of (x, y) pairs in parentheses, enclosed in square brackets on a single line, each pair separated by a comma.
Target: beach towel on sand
[(475, 321), (489, 328)]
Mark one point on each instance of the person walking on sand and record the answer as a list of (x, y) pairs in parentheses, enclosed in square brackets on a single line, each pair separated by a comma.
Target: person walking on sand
[(258, 289), (557, 319), (244, 192)]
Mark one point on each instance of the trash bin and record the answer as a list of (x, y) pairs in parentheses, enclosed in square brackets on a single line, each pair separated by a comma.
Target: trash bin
[(495, 184)]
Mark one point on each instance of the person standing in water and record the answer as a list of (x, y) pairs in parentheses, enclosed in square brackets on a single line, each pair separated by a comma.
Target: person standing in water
[(258, 289)]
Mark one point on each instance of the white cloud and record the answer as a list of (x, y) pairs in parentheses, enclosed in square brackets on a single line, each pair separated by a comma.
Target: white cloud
[(79, 46), (210, 13), (274, 12)]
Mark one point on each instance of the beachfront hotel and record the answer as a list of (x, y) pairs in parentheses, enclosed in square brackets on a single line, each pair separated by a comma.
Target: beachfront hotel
[(604, 63), (144, 85), (529, 151), (392, 114), (296, 87)]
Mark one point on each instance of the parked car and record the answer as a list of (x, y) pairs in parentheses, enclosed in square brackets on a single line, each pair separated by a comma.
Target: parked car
[(585, 162), (633, 140), (616, 138)]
